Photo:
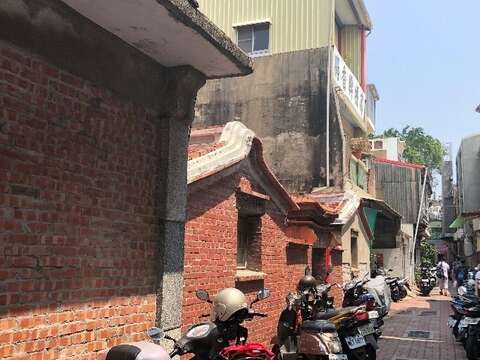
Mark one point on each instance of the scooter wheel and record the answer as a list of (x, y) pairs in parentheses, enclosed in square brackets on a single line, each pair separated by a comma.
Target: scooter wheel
[(472, 347), (363, 353), (371, 353)]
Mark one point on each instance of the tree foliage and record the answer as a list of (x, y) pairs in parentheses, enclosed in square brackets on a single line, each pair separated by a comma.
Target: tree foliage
[(420, 148), (428, 254)]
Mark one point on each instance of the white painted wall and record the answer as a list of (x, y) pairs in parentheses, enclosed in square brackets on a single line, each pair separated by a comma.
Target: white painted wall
[(399, 258)]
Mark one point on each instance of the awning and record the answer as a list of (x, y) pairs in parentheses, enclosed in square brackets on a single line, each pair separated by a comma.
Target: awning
[(457, 223), (371, 217)]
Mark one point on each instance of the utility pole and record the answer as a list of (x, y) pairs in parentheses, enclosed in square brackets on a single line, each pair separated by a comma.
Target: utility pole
[(329, 79)]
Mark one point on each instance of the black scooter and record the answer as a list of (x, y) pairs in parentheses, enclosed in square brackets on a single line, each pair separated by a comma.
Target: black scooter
[(427, 281), (204, 340)]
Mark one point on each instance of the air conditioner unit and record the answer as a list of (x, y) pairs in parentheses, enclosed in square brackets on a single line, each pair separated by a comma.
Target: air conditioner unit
[(476, 224)]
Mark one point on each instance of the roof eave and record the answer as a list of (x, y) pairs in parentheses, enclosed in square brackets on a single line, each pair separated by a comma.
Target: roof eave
[(171, 32), (365, 18)]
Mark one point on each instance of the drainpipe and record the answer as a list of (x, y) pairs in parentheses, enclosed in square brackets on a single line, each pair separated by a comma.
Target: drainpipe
[(329, 75), (412, 260)]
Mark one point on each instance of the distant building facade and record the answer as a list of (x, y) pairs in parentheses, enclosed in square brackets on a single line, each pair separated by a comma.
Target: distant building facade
[(400, 185), (285, 100), (468, 183), (388, 148)]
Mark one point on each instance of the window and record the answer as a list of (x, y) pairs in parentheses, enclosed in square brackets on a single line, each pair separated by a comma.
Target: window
[(354, 249), (251, 208), (248, 242), (254, 39)]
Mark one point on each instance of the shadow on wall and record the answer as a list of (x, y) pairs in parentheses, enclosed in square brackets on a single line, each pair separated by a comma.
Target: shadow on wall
[(79, 213)]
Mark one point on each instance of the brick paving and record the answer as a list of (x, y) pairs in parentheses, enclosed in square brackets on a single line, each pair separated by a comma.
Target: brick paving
[(407, 316)]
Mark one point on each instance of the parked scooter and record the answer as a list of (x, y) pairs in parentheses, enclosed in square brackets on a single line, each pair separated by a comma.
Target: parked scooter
[(356, 293), (465, 323), (300, 334), (357, 332), (379, 288), (354, 339), (398, 287), (427, 280), (208, 340)]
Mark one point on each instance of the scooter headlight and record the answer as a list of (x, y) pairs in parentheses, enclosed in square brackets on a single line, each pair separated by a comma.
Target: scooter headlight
[(336, 347), (461, 290), (198, 331)]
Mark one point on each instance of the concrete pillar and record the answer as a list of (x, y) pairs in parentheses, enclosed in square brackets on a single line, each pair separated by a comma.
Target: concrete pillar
[(175, 124)]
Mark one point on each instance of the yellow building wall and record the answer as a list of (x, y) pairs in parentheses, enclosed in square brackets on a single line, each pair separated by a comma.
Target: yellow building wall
[(295, 25), (351, 44), (363, 254)]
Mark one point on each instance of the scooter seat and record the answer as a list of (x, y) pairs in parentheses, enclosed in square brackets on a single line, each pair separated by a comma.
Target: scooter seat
[(332, 313), (318, 326)]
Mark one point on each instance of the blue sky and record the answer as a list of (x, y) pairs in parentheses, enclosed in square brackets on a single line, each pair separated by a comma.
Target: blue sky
[(424, 58)]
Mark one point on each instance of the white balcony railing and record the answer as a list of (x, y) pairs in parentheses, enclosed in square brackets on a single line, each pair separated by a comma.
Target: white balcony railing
[(347, 81)]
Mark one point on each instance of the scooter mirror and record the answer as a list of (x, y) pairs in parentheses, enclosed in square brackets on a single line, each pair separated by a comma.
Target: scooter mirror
[(203, 295), (263, 294), (155, 333), (390, 270)]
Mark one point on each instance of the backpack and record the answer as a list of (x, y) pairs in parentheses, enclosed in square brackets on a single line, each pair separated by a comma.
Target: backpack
[(439, 273)]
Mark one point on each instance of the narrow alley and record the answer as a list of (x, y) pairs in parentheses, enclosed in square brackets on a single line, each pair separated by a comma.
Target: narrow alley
[(416, 329)]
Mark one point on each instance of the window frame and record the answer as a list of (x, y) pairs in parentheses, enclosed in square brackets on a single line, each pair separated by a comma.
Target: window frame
[(249, 234), (251, 25), (242, 240)]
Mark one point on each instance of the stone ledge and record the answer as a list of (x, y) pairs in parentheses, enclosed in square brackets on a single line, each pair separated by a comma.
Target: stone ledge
[(249, 275)]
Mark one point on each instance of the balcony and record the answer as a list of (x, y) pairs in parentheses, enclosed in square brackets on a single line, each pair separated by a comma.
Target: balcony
[(371, 106), (359, 173), (352, 94)]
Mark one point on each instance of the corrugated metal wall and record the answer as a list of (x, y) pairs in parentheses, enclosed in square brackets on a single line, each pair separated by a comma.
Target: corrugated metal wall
[(295, 25), (401, 189), (351, 49)]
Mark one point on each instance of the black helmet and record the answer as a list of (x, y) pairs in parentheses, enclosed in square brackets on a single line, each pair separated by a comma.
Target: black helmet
[(307, 282)]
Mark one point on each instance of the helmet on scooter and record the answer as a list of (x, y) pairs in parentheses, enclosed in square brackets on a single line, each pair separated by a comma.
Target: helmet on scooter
[(306, 283), (227, 303)]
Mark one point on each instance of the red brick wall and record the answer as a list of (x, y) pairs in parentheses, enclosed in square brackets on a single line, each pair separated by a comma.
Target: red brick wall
[(210, 254), (78, 173), (336, 277)]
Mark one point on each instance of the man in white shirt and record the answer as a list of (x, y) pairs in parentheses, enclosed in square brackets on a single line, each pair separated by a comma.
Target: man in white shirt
[(477, 279), (442, 269)]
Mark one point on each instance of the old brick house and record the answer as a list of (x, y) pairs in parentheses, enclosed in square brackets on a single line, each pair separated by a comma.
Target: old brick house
[(96, 103), (244, 230), (361, 219)]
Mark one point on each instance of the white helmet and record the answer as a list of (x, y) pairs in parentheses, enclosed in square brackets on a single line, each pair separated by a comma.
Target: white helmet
[(228, 302)]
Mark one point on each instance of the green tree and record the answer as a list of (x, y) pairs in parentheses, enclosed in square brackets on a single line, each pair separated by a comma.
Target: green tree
[(420, 148), (428, 253)]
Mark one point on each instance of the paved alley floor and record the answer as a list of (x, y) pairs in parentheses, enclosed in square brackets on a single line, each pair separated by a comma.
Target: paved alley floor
[(416, 329)]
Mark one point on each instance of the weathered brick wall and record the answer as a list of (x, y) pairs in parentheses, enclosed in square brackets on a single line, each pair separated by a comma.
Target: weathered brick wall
[(78, 178), (210, 254), (336, 277)]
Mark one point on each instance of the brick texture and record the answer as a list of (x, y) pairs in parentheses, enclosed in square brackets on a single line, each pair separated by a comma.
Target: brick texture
[(211, 248), (78, 181)]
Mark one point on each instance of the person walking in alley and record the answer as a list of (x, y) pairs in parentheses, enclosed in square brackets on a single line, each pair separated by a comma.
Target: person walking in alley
[(442, 274), (477, 280)]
